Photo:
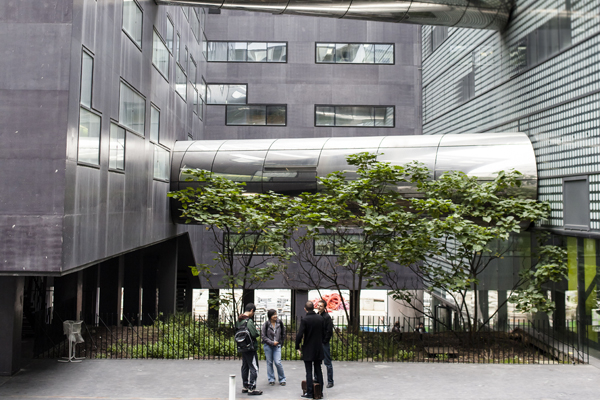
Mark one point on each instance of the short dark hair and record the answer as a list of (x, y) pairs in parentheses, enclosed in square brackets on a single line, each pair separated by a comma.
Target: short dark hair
[(323, 301), (250, 307), (309, 306)]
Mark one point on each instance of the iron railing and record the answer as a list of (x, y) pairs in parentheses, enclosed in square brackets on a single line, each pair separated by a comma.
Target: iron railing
[(187, 336)]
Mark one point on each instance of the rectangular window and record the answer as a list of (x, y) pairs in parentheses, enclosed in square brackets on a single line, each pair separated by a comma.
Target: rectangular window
[(154, 124), (256, 114), (243, 244), (247, 52), (88, 147), (328, 245), (116, 155), (132, 21), (170, 34), (438, 35), (177, 42), (195, 24), (181, 83), (202, 91), (192, 72), (161, 163), (87, 70), (358, 116), (160, 56), (354, 53), (226, 94), (132, 109)]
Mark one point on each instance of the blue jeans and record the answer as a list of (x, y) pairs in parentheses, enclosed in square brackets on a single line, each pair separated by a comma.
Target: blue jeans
[(273, 355), (327, 362)]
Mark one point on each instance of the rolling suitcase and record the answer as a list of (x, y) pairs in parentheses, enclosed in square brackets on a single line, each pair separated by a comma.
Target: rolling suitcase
[(318, 393)]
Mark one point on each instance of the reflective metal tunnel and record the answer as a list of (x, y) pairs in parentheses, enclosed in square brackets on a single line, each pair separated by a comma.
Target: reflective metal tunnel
[(292, 166), (477, 14)]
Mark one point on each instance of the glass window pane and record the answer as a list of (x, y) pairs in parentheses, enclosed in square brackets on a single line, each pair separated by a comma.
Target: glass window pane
[(276, 115), (204, 48), (89, 137), (324, 245), (160, 56), (217, 51), (154, 124), (181, 83), (202, 91), (366, 54), (161, 163), (201, 109), (195, 101), (237, 51), (132, 109), (354, 116), (257, 52), (384, 116), (170, 33), (192, 73), (324, 116), (177, 48), (226, 94), (276, 52), (349, 53), (246, 115), (87, 68), (384, 53), (116, 157), (132, 21), (325, 52)]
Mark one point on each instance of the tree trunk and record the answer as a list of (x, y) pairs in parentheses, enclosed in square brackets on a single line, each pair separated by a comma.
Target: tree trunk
[(354, 322)]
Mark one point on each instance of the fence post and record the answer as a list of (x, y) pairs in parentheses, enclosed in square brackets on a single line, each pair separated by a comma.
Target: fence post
[(231, 387)]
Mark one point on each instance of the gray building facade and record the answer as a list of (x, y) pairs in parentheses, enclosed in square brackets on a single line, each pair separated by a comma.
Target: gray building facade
[(93, 96)]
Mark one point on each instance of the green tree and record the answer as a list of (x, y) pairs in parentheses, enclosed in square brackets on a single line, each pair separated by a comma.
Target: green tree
[(249, 232), (469, 224), (361, 222)]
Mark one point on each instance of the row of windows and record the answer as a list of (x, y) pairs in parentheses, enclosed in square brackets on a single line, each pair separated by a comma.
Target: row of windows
[(326, 53), (247, 52), (323, 245), (361, 116), (132, 115)]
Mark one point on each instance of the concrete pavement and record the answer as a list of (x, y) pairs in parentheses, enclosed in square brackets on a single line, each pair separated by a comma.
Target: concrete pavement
[(204, 380)]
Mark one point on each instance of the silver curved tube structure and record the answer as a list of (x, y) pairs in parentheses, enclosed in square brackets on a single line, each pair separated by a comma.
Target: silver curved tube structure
[(291, 166), (477, 14)]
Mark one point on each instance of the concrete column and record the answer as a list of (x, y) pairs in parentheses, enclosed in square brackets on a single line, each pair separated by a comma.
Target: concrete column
[(65, 297), (110, 291), (502, 315), (559, 313), (90, 293), (79, 305), (132, 284), (247, 297), (167, 278), (149, 296), (11, 320), (299, 299)]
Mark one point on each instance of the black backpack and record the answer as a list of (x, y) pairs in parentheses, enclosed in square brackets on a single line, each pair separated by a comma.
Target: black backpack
[(243, 339)]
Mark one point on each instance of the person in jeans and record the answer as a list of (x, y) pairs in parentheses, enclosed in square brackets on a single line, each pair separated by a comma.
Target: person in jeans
[(273, 337), (249, 358), (328, 334)]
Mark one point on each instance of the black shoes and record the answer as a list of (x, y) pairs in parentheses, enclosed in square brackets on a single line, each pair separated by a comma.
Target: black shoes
[(307, 396), (254, 392), (244, 390), (271, 383), (282, 383), (329, 385)]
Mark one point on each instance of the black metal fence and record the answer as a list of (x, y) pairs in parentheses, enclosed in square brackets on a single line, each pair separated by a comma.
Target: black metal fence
[(186, 336)]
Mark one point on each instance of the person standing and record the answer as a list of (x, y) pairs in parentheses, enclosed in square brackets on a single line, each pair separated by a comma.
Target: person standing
[(310, 335), (249, 358), (272, 334), (322, 308)]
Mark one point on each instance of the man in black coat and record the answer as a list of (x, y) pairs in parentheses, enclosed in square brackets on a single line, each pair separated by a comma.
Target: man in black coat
[(310, 334), (322, 308)]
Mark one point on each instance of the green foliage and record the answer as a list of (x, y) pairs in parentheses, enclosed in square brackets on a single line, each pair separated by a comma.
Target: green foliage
[(346, 347), (249, 231), (406, 355)]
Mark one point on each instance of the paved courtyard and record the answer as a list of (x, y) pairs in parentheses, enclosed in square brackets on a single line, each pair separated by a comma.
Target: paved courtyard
[(204, 380)]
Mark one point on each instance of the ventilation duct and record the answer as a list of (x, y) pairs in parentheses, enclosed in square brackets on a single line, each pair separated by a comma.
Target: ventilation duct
[(291, 166), (476, 14)]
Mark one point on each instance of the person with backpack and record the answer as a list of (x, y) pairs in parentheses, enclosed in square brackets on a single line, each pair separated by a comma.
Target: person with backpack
[(273, 337), (245, 338)]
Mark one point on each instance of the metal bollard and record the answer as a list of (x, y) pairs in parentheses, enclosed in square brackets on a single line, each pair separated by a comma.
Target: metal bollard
[(231, 387)]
